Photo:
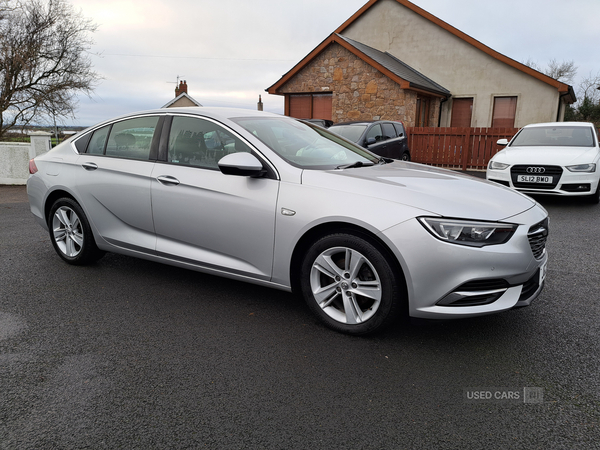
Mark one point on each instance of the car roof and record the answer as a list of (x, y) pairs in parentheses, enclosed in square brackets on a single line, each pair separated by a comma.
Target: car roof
[(213, 112), (559, 124), (365, 122)]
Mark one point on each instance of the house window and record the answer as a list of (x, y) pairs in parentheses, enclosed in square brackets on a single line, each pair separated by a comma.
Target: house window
[(310, 106), (462, 110), (505, 109)]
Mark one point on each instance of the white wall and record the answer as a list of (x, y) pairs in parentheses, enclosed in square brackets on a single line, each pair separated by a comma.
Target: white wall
[(455, 64), (14, 157)]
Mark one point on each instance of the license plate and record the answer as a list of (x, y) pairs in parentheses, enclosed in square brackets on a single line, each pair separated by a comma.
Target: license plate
[(533, 179), (543, 271)]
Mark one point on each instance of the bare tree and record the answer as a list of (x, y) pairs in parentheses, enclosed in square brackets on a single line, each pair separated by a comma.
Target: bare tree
[(590, 87), (44, 60), (563, 71), (587, 108)]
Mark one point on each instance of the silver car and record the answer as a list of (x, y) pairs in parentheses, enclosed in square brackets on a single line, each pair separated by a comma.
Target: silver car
[(278, 202)]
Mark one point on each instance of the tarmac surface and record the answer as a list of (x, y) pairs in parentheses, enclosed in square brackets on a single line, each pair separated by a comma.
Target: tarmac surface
[(137, 355)]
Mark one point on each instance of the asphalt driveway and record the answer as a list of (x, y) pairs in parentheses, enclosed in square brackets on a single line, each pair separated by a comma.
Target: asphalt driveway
[(137, 355)]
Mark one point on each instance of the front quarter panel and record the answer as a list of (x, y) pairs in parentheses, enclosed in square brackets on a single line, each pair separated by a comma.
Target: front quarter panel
[(301, 208)]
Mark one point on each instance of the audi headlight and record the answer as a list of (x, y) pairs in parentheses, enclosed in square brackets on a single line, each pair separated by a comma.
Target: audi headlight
[(495, 165), (582, 168), (468, 232)]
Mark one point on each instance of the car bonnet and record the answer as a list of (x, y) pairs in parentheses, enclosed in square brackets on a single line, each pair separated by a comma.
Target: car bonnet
[(435, 191), (553, 156)]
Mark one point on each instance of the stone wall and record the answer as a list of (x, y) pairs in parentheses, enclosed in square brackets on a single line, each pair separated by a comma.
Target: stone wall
[(360, 92)]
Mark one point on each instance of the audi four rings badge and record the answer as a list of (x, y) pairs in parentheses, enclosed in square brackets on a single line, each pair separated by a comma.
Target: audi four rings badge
[(536, 170)]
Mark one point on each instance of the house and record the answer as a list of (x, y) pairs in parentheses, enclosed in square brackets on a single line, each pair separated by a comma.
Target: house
[(393, 60), (181, 97)]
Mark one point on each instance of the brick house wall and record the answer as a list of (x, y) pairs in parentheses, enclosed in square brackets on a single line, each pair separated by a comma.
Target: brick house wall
[(359, 91)]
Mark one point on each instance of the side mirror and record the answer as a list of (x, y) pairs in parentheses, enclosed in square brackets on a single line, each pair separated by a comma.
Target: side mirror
[(371, 141), (242, 164), (502, 142)]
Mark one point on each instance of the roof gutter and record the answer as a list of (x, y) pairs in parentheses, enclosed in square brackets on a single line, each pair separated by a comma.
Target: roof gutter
[(570, 93), (443, 100)]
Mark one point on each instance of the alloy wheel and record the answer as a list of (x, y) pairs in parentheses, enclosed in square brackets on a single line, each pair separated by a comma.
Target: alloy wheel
[(345, 285), (67, 231)]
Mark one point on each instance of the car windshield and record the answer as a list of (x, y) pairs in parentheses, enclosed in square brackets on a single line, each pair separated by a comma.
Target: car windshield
[(554, 136), (304, 145), (350, 132)]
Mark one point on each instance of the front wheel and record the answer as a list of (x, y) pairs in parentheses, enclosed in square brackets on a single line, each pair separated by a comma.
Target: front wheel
[(71, 234), (348, 283)]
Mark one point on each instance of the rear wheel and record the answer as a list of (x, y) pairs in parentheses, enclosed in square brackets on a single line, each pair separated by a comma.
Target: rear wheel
[(348, 283), (405, 156), (71, 234)]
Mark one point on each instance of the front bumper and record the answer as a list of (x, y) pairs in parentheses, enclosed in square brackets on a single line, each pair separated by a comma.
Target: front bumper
[(567, 183), (446, 280)]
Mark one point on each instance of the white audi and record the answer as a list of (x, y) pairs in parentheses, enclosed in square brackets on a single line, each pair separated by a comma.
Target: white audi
[(559, 158)]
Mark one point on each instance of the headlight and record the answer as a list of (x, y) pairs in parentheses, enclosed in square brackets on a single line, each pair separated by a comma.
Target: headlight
[(467, 232), (495, 165), (582, 168)]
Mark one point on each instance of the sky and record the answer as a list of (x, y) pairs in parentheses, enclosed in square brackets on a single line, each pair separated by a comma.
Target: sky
[(230, 51)]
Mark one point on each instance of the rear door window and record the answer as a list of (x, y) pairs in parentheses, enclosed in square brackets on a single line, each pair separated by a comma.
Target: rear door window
[(98, 141), (132, 138), (389, 131)]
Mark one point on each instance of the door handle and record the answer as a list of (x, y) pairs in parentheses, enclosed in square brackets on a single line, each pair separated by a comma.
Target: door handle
[(167, 180), (90, 166)]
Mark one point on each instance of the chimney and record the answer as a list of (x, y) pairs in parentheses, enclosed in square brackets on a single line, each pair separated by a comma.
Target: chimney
[(181, 88), (260, 104)]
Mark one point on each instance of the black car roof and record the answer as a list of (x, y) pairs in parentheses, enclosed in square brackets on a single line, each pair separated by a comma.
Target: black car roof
[(366, 122)]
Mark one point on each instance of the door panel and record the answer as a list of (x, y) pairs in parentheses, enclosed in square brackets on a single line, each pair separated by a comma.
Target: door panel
[(216, 220), (113, 180), (116, 197)]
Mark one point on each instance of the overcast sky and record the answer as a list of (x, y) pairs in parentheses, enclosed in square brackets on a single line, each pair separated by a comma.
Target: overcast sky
[(230, 51)]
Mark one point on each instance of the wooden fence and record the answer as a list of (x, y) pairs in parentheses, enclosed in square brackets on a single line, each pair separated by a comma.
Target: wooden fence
[(456, 148)]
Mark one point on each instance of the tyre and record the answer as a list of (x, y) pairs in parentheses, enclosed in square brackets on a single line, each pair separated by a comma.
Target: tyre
[(348, 283), (71, 234), (405, 156)]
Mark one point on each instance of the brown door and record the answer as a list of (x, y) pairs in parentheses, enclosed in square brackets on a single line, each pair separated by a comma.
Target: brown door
[(422, 118)]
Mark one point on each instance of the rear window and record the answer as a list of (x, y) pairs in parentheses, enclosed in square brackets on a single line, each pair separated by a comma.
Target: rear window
[(399, 128)]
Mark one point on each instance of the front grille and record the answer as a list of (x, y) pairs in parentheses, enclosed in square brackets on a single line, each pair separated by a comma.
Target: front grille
[(538, 234), (551, 171)]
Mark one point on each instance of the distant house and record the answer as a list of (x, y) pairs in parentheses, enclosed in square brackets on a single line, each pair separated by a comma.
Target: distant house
[(393, 60), (181, 97)]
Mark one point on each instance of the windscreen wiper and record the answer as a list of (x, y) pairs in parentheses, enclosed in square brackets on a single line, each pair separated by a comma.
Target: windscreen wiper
[(353, 165)]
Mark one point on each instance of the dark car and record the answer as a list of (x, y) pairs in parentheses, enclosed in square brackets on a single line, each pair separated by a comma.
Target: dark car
[(382, 137), (323, 123)]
